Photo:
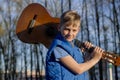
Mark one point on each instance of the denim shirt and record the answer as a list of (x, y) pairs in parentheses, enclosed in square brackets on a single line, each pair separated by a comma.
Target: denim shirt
[(55, 70)]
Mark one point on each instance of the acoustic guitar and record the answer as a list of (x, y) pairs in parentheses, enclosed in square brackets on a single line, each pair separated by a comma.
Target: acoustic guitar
[(35, 25)]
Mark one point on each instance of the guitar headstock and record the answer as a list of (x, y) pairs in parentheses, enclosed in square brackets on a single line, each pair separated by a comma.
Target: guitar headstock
[(112, 58)]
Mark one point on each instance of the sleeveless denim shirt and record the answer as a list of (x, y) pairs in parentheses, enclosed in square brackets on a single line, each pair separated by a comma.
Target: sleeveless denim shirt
[(55, 70)]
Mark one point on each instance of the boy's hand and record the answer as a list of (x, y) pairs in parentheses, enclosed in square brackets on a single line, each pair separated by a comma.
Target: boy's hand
[(96, 52)]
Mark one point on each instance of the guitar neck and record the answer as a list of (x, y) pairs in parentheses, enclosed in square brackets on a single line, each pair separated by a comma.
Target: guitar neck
[(108, 56)]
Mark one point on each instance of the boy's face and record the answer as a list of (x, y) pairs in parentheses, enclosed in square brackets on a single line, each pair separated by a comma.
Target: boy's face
[(69, 32)]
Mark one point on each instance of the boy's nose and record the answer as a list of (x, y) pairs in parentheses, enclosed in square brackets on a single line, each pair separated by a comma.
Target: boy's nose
[(70, 32)]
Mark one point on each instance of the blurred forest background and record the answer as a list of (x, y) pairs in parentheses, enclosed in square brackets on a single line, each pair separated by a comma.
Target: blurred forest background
[(100, 25)]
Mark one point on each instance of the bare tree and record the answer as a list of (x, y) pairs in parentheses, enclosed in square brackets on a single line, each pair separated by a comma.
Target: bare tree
[(117, 29)]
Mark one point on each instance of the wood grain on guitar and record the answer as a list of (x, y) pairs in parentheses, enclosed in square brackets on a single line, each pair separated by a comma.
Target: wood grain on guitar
[(35, 25)]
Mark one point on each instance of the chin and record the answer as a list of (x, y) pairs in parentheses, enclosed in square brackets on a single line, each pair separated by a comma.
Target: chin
[(69, 40)]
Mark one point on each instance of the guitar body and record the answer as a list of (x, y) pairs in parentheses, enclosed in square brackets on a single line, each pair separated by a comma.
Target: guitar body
[(35, 25)]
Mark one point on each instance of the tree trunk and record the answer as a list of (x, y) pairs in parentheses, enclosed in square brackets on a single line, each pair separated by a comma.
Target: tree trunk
[(31, 61), (61, 6), (98, 30), (25, 63), (69, 1)]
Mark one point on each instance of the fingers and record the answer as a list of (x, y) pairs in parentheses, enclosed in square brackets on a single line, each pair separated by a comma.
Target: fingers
[(88, 45), (98, 49), (98, 53)]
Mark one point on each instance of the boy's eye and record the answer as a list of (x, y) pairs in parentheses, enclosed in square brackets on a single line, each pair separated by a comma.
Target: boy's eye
[(74, 30), (66, 29)]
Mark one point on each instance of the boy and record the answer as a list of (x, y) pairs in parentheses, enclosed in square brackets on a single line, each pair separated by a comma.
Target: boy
[(64, 61)]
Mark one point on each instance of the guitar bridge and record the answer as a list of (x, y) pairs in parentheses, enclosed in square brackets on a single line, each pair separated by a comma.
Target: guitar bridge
[(31, 24)]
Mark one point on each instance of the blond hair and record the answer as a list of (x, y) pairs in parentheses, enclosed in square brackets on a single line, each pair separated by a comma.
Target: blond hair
[(70, 18)]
